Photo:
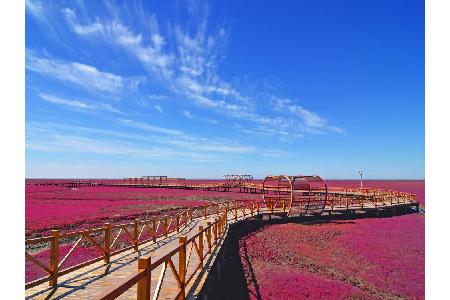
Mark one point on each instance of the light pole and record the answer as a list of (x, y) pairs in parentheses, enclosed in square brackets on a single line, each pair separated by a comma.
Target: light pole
[(360, 174)]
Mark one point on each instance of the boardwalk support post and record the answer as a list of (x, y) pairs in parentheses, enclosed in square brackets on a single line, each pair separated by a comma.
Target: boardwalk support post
[(215, 224), (208, 236), (182, 268), (136, 234), (144, 285), (154, 229), (107, 228), (54, 258), (166, 229), (200, 244)]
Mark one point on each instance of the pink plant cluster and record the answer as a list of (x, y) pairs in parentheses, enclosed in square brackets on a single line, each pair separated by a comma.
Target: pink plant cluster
[(373, 258), (81, 254), (301, 286)]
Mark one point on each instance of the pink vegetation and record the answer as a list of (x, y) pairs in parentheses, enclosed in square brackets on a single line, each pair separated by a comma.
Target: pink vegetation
[(68, 209), (80, 255), (365, 258)]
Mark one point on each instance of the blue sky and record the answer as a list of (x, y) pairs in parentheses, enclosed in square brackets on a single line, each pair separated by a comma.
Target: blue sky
[(201, 89)]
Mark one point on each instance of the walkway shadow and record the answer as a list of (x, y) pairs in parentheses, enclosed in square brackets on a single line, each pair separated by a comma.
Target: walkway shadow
[(239, 282)]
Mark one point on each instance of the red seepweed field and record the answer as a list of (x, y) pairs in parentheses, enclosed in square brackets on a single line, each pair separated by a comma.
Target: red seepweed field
[(370, 258)]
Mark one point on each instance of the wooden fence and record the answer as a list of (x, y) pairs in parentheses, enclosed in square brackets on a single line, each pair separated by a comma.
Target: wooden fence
[(106, 238), (201, 245)]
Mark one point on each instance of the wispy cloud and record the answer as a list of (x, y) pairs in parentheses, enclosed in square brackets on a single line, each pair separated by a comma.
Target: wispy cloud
[(187, 114), (190, 70), (64, 138), (311, 120), (82, 75), (157, 97), (110, 108), (79, 104), (159, 108), (180, 139), (149, 127), (65, 102), (150, 53), (45, 138), (35, 8), (185, 140)]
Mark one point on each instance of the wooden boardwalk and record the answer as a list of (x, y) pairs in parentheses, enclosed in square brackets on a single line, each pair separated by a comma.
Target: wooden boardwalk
[(89, 282)]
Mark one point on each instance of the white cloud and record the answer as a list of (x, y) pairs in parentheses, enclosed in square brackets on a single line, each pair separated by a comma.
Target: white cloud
[(58, 142), (185, 140), (150, 54), (65, 102), (311, 119), (109, 107), (82, 75), (65, 138), (158, 108), (313, 122), (79, 104), (35, 8), (187, 114), (157, 97), (148, 127), (210, 145), (189, 71)]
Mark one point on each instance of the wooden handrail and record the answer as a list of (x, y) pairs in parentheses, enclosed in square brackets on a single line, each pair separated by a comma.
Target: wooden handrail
[(55, 264), (143, 274)]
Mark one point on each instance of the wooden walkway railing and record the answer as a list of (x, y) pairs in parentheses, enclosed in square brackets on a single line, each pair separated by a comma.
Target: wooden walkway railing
[(205, 239), (106, 239)]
